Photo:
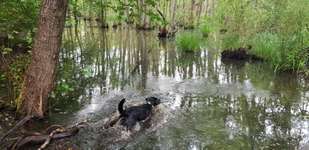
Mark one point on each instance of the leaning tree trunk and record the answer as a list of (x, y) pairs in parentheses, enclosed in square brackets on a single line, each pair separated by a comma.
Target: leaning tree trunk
[(40, 75)]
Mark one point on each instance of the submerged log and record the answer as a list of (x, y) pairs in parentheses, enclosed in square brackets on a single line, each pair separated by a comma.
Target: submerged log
[(104, 26), (239, 54), (164, 33), (222, 31), (189, 27), (144, 27)]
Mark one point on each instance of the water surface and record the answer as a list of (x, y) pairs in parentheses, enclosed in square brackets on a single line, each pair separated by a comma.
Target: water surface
[(208, 103)]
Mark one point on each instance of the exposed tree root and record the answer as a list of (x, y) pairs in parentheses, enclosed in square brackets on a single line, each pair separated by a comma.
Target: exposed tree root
[(58, 132), (47, 141), (17, 126)]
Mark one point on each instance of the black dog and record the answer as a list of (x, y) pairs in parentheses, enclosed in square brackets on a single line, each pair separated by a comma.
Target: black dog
[(130, 116)]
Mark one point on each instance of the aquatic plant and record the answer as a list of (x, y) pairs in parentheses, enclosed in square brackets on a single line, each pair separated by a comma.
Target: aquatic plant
[(282, 55), (205, 29), (267, 46), (277, 30), (188, 41), (231, 41)]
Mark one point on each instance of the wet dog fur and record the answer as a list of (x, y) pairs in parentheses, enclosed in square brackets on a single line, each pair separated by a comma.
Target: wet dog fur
[(130, 116)]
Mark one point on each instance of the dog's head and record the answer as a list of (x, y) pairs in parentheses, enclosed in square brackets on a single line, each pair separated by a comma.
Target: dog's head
[(153, 101)]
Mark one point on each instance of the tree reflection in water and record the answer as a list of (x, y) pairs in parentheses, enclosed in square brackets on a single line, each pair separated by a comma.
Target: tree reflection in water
[(222, 105)]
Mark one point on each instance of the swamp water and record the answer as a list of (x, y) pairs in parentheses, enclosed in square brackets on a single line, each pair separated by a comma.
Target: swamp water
[(207, 103)]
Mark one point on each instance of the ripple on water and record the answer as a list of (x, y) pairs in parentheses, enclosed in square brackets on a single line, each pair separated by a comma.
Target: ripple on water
[(208, 104)]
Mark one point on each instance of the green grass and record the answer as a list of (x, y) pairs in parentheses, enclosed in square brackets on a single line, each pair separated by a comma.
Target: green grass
[(283, 54), (267, 46), (277, 30), (231, 41), (188, 42), (205, 29)]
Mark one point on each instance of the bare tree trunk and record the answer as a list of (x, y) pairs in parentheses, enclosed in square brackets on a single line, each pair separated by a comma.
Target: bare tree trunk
[(40, 75), (206, 8), (145, 17), (191, 20), (173, 12), (127, 12), (140, 10), (199, 12)]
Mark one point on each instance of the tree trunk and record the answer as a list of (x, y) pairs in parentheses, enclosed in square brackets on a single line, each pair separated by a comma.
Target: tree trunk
[(40, 75), (198, 13), (173, 12), (191, 20)]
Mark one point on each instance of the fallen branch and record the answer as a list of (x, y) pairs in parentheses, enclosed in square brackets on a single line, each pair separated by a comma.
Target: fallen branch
[(58, 133), (45, 139)]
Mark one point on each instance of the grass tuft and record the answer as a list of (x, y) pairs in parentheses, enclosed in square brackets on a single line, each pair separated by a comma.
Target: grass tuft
[(188, 42)]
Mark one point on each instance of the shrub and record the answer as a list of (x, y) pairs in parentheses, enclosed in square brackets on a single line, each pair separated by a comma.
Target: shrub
[(188, 42)]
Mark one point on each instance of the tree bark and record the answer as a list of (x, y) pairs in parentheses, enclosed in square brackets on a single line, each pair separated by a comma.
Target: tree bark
[(40, 75)]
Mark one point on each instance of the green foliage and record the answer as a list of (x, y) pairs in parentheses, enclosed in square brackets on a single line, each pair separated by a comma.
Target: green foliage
[(188, 42), (87, 72), (133, 10), (2, 78), (231, 41), (18, 67), (5, 51), (267, 45), (277, 29), (205, 28), (16, 72), (18, 18), (64, 88)]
